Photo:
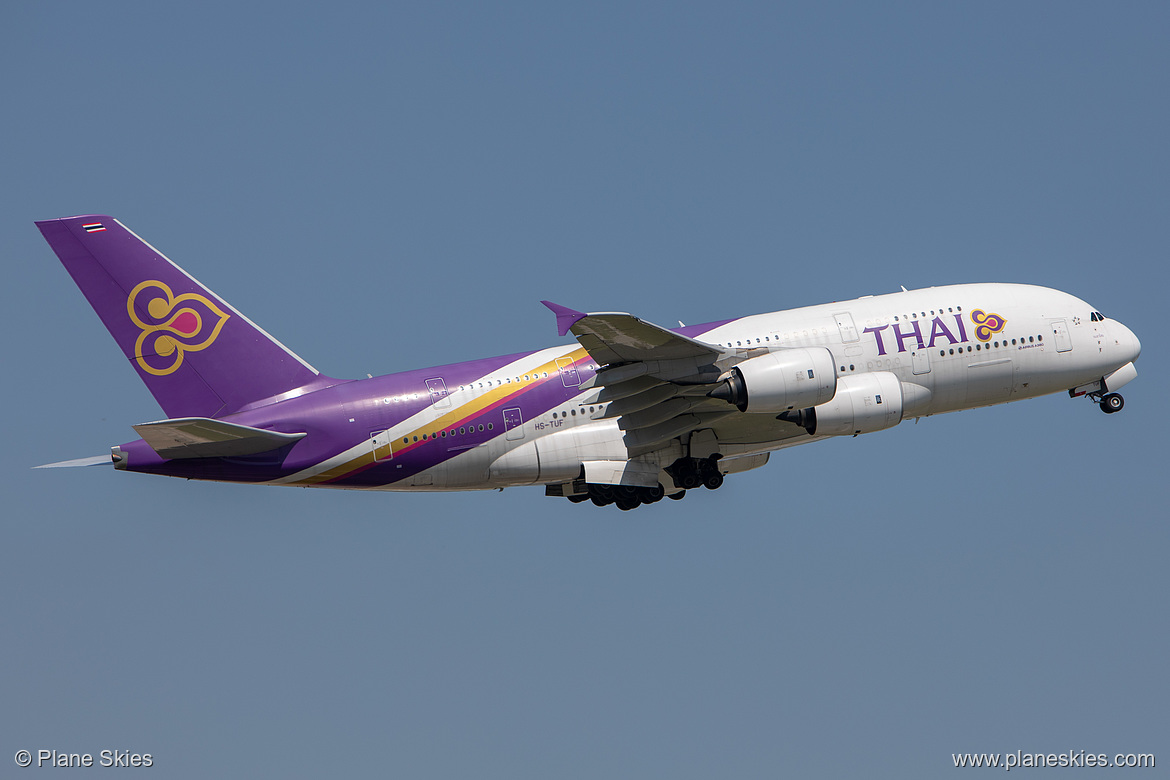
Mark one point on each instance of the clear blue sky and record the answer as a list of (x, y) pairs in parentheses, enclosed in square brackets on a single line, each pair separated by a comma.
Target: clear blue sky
[(386, 187)]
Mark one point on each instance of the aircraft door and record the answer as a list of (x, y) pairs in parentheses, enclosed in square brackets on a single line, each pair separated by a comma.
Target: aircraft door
[(1061, 334), (846, 326), (920, 359), (380, 445), (569, 375), (439, 395), (513, 423)]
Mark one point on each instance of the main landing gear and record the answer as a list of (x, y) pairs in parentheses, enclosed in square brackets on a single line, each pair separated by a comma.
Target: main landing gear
[(626, 497), (687, 474)]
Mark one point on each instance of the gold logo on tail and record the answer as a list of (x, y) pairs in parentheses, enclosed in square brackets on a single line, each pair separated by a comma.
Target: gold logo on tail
[(174, 328)]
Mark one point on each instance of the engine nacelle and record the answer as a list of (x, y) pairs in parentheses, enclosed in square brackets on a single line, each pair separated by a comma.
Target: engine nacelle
[(864, 403), (780, 381)]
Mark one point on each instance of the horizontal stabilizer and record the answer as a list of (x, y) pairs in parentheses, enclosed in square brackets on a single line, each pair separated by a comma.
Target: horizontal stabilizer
[(96, 460), (201, 437)]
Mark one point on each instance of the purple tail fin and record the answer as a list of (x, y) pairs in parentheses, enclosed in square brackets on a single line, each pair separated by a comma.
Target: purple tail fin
[(196, 354)]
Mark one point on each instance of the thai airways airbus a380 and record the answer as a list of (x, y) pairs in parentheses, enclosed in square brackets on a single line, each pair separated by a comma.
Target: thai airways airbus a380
[(631, 413)]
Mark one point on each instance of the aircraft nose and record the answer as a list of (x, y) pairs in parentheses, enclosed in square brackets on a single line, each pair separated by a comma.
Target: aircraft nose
[(1127, 342)]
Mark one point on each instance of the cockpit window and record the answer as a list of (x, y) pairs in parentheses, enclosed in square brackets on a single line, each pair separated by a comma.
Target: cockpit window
[(1097, 317)]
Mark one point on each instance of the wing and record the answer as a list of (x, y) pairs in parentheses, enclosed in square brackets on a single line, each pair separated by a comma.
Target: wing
[(653, 380)]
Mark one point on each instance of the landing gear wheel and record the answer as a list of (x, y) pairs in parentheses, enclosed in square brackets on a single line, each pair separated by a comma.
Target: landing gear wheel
[(601, 495), (689, 481), (650, 495), (713, 481), (626, 505), (1111, 403), (679, 496), (578, 499)]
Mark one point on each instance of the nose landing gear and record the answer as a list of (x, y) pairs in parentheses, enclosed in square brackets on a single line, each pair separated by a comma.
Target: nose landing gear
[(1112, 402), (1098, 393)]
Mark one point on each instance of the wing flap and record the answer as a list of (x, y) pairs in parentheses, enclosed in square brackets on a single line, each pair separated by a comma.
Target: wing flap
[(202, 437)]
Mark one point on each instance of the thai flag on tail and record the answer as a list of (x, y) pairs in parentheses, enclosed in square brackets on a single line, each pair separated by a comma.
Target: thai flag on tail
[(93, 227)]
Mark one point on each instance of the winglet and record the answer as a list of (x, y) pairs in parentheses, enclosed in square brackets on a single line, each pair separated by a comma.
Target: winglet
[(566, 317)]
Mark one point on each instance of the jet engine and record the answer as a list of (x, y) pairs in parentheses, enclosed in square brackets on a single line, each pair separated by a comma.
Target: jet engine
[(780, 381), (864, 403)]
